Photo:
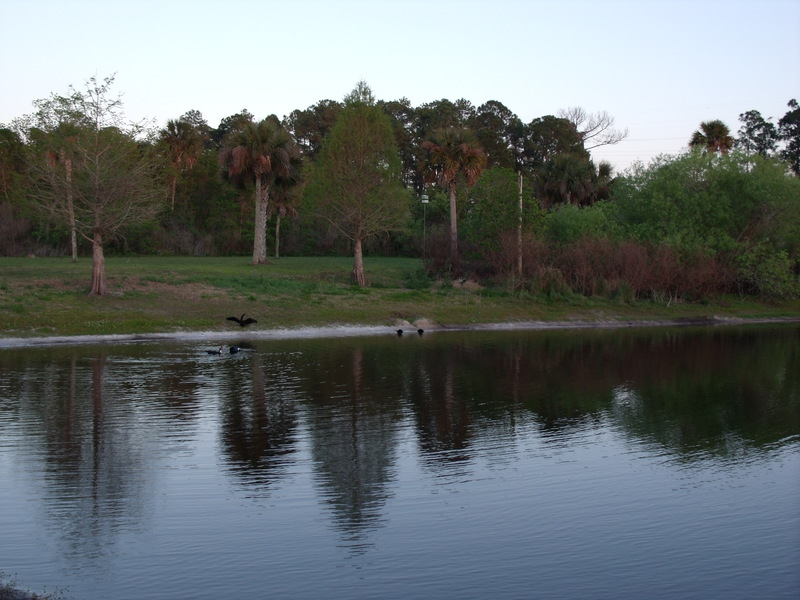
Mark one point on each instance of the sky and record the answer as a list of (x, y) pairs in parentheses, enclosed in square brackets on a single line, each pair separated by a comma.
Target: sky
[(658, 67)]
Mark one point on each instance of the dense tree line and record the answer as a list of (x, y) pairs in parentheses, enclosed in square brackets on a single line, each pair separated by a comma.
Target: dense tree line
[(511, 202)]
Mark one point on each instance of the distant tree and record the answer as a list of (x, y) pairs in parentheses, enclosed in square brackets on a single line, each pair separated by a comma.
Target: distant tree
[(228, 125), (454, 155), (181, 143), (495, 210), (310, 126), (789, 128), (52, 131), (12, 164), (357, 184), (596, 129), (285, 193), (713, 136), (546, 137), (403, 118), (756, 134), (498, 131), (258, 153), (442, 114), (12, 190), (196, 118), (112, 181), (61, 143), (565, 178), (603, 181)]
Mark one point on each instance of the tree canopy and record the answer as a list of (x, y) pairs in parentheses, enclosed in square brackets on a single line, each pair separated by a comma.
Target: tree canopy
[(364, 164)]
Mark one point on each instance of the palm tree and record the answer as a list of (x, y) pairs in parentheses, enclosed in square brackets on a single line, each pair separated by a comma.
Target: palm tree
[(259, 152), (183, 142), (453, 154), (284, 196), (602, 182), (713, 136), (567, 179)]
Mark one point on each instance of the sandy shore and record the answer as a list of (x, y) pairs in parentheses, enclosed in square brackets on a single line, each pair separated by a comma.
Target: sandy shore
[(335, 331)]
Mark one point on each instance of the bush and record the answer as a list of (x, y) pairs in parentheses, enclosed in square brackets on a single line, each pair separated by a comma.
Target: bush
[(766, 272), (628, 270), (568, 223)]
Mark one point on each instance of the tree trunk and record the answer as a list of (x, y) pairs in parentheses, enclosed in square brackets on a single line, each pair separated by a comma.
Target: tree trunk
[(453, 225), (260, 234), (73, 237), (519, 231), (98, 285), (173, 188), (358, 266), (278, 235)]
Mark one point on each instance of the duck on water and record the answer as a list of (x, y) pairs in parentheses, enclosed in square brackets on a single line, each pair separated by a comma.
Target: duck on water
[(231, 350)]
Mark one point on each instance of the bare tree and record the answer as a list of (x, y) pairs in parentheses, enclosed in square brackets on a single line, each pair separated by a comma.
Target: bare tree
[(112, 181), (595, 129)]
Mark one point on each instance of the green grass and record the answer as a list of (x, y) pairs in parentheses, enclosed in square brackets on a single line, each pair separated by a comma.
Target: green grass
[(47, 296)]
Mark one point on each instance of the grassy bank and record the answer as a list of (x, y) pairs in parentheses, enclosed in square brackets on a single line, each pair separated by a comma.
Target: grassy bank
[(47, 296)]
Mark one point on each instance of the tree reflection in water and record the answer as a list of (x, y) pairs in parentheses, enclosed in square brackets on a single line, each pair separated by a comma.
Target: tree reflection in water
[(259, 420), (97, 421)]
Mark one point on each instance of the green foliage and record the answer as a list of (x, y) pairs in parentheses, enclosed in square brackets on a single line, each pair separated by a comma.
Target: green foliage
[(12, 166), (767, 272), (417, 280), (756, 134), (566, 178), (356, 185), (568, 223), (789, 128), (493, 208), (705, 202), (682, 227)]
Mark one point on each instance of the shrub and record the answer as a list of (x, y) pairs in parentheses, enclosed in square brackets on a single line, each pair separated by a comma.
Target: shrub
[(766, 272)]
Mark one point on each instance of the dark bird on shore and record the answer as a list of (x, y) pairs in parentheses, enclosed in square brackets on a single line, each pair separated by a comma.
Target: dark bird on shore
[(399, 332), (420, 331), (242, 321), (217, 351), (234, 349)]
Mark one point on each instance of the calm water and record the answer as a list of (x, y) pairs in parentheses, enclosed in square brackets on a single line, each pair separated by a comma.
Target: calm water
[(659, 463)]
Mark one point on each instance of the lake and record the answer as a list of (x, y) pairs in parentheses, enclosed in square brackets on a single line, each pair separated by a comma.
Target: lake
[(625, 464)]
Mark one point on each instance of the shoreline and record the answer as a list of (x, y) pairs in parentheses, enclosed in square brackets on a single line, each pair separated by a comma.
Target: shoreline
[(340, 331)]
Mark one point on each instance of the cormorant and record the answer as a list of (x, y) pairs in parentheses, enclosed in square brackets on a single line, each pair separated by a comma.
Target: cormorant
[(242, 321)]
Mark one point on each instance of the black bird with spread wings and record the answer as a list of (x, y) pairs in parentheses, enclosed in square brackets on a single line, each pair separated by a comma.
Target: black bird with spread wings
[(242, 321)]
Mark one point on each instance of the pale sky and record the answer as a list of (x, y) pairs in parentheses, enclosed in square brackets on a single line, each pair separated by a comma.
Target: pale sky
[(659, 67)]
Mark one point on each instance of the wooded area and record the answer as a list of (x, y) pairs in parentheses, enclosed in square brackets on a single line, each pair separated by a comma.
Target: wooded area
[(520, 206)]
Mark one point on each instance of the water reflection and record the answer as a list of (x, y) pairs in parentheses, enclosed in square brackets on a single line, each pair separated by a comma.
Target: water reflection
[(88, 452), (259, 420), (97, 429), (353, 409)]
